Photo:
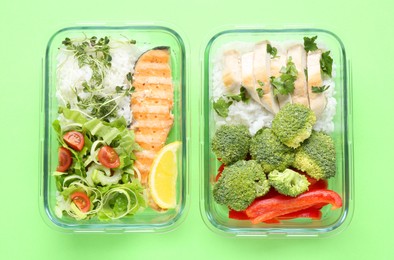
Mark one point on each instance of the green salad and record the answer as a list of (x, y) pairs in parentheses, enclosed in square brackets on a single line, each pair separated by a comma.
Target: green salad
[(95, 175)]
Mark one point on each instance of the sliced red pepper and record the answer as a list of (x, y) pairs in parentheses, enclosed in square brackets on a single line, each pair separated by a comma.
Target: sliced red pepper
[(272, 221), (266, 209), (220, 170), (239, 215), (318, 185), (311, 213)]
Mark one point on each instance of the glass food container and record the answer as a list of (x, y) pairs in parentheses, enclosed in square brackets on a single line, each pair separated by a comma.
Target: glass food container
[(142, 38), (216, 216)]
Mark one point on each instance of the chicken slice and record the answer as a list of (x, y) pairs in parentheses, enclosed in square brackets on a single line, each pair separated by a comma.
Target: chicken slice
[(261, 65), (248, 81), (277, 64), (231, 74), (298, 55), (317, 101)]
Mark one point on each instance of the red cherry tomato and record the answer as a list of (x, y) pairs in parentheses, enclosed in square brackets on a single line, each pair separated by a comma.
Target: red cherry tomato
[(108, 157), (81, 200), (65, 159), (75, 140)]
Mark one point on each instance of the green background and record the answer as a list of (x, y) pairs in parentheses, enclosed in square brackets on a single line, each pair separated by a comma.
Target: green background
[(366, 30)]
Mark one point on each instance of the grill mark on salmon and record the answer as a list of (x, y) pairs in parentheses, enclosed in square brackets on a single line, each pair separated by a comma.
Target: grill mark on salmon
[(152, 80), (151, 105)]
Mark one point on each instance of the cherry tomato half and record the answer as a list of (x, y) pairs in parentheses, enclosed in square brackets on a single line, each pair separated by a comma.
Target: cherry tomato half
[(65, 159), (75, 140), (81, 200), (108, 157)]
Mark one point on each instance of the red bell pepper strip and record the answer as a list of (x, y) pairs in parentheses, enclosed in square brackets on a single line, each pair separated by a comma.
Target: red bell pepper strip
[(239, 215), (266, 209), (318, 185), (220, 170), (311, 213)]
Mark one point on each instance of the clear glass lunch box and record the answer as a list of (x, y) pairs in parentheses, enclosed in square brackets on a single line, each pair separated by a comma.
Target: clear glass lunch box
[(216, 216), (149, 220)]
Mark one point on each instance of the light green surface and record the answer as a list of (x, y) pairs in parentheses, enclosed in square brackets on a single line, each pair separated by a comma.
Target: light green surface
[(364, 26)]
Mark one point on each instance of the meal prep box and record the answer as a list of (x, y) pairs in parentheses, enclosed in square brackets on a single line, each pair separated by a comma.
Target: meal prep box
[(332, 221), (146, 37)]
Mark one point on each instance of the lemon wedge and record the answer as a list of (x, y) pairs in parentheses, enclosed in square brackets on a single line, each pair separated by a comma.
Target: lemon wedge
[(163, 175)]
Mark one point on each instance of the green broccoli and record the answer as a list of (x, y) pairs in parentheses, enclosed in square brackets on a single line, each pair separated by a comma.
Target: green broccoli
[(288, 182), (267, 150), (231, 143), (240, 184), (316, 156), (293, 124)]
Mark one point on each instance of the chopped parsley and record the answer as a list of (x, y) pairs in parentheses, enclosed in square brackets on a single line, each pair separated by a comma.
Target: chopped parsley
[(260, 91), (272, 50), (321, 89), (223, 103), (221, 107), (309, 44), (326, 63), (284, 84), (242, 96)]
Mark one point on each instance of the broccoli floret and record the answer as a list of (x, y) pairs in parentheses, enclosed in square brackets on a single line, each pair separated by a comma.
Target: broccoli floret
[(240, 184), (288, 182), (316, 156), (293, 124), (231, 143), (267, 149)]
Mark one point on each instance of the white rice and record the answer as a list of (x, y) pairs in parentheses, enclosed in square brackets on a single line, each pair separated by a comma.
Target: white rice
[(252, 114), (70, 77)]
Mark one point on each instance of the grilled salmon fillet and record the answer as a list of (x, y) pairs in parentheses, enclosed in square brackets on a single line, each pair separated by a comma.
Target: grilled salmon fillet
[(151, 105)]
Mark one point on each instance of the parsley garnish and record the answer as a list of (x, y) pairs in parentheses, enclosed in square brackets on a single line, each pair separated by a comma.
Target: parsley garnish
[(272, 50), (284, 84), (309, 44), (321, 89), (221, 106), (223, 103), (242, 96), (326, 63), (260, 92)]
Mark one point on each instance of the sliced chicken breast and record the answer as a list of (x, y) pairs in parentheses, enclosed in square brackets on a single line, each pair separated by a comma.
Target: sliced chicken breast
[(231, 73), (298, 55), (261, 71), (248, 81), (276, 65), (317, 101)]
